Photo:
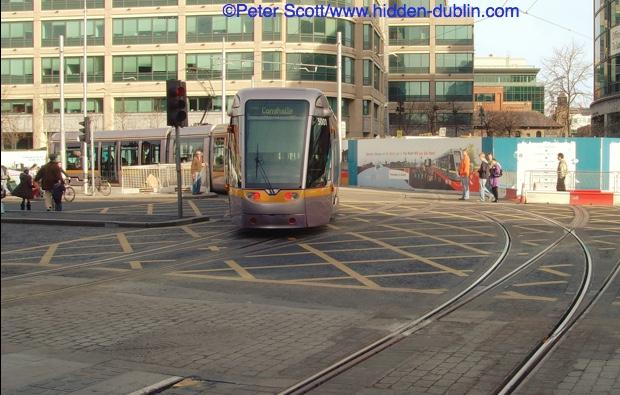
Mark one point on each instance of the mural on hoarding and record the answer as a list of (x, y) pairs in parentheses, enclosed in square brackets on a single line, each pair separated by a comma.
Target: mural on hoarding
[(614, 167), (421, 162), (537, 164)]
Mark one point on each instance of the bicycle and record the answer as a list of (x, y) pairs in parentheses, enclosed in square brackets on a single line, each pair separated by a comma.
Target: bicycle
[(103, 186)]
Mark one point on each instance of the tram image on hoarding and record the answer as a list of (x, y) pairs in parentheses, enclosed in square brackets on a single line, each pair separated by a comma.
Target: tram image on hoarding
[(440, 173), (283, 159)]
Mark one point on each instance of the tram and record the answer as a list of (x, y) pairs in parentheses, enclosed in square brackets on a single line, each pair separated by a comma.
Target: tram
[(116, 149), (283, 158)]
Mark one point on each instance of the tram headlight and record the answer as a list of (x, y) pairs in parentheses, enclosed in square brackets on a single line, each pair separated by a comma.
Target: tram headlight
[(291, 196), (253, 195)]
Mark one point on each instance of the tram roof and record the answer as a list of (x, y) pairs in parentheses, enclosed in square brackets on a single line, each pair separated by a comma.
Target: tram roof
[(278, 93)]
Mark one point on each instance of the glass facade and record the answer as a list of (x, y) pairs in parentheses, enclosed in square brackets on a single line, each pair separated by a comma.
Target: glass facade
[(319, 30), (50, 69), (17, 71), (158, 30), (517, 86), (17, 5), (454, 35), (17, 34), (409, 35), (71, 4), (139, 104), (307, 67), (410, 63), (454, 63), (143, 3), (74, 106), (144, 68), (17, 106), (239, 66), (212, 28), (409, 91), (454, 91), (72, 32), (272, 29), (271, 65)]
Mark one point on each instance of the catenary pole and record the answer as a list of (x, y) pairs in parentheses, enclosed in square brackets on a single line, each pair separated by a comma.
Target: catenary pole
[(85, 100), (223, 80), (177, 134), (63, 140), (339, 81)]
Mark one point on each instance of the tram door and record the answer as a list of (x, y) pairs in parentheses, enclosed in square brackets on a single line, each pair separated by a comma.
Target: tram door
[(108, 162)]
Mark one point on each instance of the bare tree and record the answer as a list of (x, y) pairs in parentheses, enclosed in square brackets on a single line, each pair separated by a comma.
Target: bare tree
[(566, 72), (10, 129), (500, 122)]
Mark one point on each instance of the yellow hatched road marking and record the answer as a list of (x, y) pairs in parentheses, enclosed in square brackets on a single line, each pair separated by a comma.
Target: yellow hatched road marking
[(104, 210), (604, 242), (240, 270), (553, 271), (433, 291), (149, 209), (531, 243), (190, 231), (194, 207), (434, 264), (122, 239), (49, 254), (461, 228), (279, 254), (341, 266), (616, 302), (540, 283), (519, 296), (135, 265), (443, 214), (331, 226), (361, 219), (406, 274), (474, 249)]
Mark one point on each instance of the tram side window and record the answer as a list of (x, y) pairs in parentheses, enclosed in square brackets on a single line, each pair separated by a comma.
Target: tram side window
[(129, 153), (234, 160), (74, 158), (218, 153), (319, 154), (151, 152), (188, 147)]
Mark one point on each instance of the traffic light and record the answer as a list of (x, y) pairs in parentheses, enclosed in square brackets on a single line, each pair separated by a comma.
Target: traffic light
[(84, 131), (176, 95)]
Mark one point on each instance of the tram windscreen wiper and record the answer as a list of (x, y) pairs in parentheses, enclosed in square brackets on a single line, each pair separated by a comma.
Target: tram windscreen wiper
[(259, 166)]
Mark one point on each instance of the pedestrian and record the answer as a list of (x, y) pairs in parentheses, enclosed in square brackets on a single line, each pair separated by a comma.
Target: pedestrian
[(25, 189), (464, 169), (562, 172), (49, 176), (496, 173), (198, 164), (5, 180), (484, 173)]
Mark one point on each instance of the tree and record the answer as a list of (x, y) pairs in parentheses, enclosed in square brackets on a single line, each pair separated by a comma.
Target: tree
[(11, 134), (566, 73), (500, 122)]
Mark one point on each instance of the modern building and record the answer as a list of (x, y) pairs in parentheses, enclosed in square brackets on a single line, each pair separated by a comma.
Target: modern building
[(135, 45), (507, 84), (431, 80), (605, 109)]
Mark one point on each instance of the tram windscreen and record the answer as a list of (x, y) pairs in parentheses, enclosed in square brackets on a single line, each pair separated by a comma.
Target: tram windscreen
[(274, 143)]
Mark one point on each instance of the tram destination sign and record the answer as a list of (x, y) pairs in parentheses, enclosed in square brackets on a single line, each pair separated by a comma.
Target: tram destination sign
[(276, 108)]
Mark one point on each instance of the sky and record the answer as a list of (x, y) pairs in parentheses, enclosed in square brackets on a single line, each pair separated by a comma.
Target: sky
[(530, 38)]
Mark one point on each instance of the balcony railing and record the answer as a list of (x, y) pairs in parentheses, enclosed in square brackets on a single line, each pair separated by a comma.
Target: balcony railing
[(165, 38), (455, 70), (72, 78), (409, 70), (17, 79), (409, 41), (315, 38), (445, 98), (143, 3), (149, 76), (71, 4), (454, 41), (71, 41), (217, 37), (17, 42), (15, 6)]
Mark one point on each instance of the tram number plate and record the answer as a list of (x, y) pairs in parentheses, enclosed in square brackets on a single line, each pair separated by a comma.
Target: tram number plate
[(321, 121)]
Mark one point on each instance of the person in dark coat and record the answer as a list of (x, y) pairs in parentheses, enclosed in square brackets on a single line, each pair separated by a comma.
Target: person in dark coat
[(48, 176), (25, 189)]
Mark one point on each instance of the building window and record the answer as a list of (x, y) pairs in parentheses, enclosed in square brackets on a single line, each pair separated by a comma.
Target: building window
[(376, 79), (319, 30), (50, 69), (272, 29), (17, 5), (376, 43), (239, 66), (144, 68), (207, 2), (410, 35), (145, 30), (272, 65), (201, 103), (17, 106), (454, 35), (345, 105), (17, 71), (367, 36), (308, 67), (71, 4), (143, 3), (484, 97), (368, 72), (17, 34), (449, 63), (72, 32), (458, 118), (139, 104), (366, 107), (409, 91), (410, 63), (212, 28), (74, 106), (454, 90)]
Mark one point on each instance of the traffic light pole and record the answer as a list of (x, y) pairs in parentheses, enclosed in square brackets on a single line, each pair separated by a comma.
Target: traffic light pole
[(177, 133)]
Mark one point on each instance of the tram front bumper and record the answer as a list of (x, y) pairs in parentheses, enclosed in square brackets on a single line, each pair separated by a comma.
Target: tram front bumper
[(273, 221)]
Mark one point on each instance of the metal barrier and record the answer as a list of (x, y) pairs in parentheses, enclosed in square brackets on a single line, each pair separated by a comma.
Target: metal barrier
[(546, 180), (158, 178)]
